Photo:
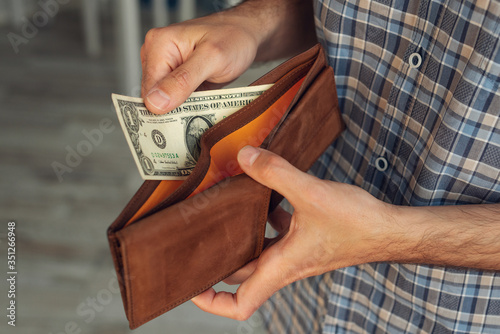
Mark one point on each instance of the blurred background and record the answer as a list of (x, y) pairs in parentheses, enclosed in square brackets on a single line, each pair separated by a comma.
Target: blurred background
[(60, 60)]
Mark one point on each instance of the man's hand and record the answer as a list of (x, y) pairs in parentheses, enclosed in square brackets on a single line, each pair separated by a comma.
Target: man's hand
[(214, 50), (179, 58), (333, 225), (336, 225)]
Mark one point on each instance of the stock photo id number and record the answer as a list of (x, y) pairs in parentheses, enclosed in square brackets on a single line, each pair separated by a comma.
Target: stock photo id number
[(11, 273)]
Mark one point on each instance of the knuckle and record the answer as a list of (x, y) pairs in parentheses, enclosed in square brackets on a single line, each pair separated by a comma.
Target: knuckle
[(244, 315), (182, 78), (158, 36), (215, 51), (272, 166), (151, 35), (316, 192)]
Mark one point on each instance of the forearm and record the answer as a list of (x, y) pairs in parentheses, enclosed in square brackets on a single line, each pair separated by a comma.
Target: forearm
[(460, 236), (283, 27)]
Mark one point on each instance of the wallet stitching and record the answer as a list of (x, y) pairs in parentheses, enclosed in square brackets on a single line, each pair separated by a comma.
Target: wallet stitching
[(262, 227), (128, 285)]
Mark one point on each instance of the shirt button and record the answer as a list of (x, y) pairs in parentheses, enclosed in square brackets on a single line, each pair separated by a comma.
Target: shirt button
[(381, 164), (415, 60)]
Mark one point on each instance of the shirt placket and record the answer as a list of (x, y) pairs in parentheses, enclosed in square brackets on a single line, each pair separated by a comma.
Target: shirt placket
[(382, 171)]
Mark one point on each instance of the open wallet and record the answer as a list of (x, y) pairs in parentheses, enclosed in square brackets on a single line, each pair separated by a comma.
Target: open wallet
[(175, 239)]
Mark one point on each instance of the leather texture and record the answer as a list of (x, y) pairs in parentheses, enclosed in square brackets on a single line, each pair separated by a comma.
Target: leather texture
[(171, 243)]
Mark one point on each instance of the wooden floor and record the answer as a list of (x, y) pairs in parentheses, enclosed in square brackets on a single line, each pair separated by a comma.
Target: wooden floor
[(49, 93)]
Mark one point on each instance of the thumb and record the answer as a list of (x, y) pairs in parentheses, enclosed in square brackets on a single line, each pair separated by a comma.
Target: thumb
[(274, 172), (171, 91)]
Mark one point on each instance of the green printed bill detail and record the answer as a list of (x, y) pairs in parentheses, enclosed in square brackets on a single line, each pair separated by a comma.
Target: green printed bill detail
[(167, 147)]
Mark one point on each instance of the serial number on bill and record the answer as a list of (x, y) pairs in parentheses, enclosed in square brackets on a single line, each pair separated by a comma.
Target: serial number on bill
[(165, 155)]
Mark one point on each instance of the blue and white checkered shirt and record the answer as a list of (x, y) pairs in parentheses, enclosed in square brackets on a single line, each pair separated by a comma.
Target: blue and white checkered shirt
[(418, 86)]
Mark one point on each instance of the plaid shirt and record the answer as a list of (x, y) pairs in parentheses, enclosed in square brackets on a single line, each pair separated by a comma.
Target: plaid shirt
[(418, 85)]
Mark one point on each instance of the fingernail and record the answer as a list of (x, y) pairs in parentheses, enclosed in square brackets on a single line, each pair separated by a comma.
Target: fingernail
[(158, 99), (247, 155)]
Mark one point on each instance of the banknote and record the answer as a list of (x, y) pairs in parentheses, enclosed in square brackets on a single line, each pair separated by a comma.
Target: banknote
[(167, 147)]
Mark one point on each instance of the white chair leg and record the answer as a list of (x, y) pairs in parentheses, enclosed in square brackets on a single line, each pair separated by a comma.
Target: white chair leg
[(160, 13), (92, 29), (230, 3), (18, 12), (187, 9), (128, 31), (4, 13)]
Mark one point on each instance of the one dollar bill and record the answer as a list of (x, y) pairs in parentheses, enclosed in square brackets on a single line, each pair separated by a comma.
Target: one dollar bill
[(167, 147)]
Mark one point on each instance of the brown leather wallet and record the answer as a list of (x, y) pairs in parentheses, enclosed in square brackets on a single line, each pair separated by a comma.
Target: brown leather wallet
[(175, 239)]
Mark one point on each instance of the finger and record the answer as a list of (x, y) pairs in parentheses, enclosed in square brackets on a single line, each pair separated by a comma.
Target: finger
[(268, 242), (150, 76), (240, 306), (176, 86), (268, 278), (280, 219), (242, 274), (210, 300), (160, 54), (274, 172)]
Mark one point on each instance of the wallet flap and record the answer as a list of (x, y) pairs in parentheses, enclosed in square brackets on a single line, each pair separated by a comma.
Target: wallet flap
[(316, 68), (281, 70), (313, 133)]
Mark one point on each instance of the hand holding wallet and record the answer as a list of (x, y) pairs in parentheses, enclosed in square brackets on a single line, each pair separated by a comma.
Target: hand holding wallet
[(175, 239)]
